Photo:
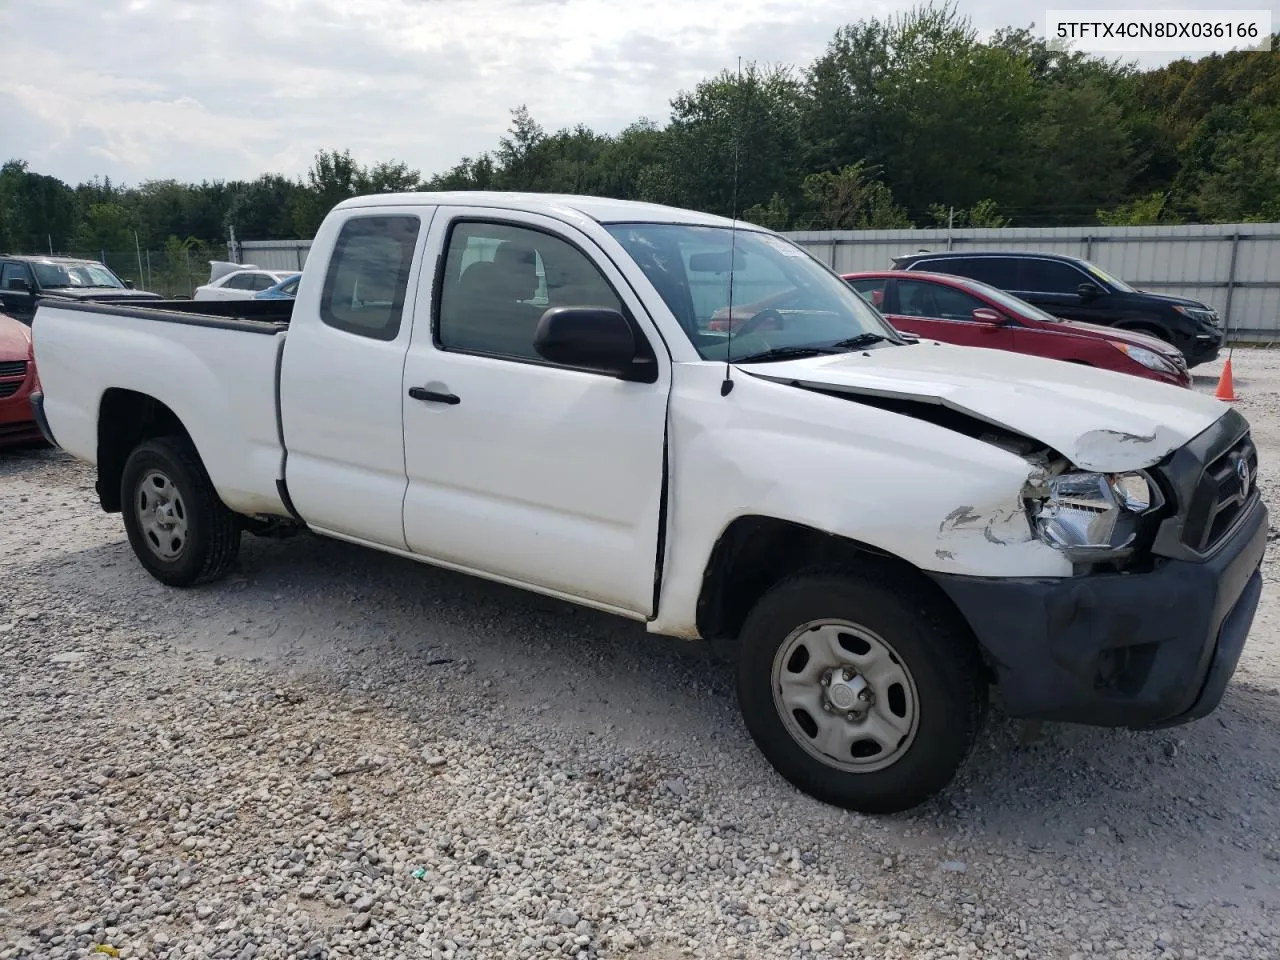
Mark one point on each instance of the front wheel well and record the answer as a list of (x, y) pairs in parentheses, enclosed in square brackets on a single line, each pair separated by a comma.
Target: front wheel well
[(755, 553), (125, 419), (1148, 327)]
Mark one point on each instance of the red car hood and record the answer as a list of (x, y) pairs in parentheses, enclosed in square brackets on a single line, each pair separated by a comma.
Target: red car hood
[(15, 339), (1131, 337)]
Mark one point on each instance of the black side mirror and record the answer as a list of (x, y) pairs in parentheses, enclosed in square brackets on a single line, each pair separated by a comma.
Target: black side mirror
[(129, 284), (593, 338), (1088, 291), (19, 284)]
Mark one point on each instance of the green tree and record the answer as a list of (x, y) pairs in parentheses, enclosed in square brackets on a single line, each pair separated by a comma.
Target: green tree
[(774, 215), (103, 227), (35, 210), (333, 177), (851, 199), (748, 122)]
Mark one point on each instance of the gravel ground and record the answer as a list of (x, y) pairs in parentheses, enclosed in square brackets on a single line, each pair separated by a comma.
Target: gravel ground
[(336, 753)]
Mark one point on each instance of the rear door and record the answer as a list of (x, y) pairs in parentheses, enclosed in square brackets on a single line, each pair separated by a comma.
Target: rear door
[(340, 383), (1054, 286), (517, 468), (940, 312)]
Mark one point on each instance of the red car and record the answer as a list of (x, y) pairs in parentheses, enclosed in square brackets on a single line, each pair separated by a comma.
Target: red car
[(958, 310), (17, 380)]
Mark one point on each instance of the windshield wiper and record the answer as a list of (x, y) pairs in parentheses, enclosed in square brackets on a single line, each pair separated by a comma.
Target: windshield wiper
[(783, 353), (862, 340)]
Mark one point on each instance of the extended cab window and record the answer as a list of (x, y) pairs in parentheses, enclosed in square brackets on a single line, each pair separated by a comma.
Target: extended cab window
[(918, 298), (498, 281), (368, 276)]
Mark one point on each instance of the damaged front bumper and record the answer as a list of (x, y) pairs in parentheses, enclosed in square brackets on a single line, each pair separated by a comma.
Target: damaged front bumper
[(1137, 649)]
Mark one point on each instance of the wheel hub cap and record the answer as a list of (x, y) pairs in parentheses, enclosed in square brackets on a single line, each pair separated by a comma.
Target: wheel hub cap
[(845, 695), (162, 515)]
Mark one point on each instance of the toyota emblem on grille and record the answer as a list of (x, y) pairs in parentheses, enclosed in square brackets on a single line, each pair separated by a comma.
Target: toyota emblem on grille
[(1242, 471)]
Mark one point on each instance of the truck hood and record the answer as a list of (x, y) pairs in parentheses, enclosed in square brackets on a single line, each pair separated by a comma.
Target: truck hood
[(1097, 419)]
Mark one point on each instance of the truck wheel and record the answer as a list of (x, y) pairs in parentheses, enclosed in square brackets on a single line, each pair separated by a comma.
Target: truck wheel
[(178, 527), (863, 695)]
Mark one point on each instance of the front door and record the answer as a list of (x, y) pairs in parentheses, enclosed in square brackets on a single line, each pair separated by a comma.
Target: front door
[(936, 311), (517, 468), (17, 298)]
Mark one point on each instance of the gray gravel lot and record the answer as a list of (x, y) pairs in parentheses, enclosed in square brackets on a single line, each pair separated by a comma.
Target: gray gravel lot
[(336, 753)]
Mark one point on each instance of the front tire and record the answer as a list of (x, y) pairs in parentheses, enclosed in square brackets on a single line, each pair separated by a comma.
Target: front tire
[(863, 694), (180, 530)]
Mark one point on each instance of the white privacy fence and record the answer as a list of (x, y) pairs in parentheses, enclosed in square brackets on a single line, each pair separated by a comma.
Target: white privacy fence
[(1234, 267)]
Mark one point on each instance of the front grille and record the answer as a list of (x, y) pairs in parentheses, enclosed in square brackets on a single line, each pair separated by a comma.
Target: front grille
[(1228, 485), (9, 388), (13, 368)]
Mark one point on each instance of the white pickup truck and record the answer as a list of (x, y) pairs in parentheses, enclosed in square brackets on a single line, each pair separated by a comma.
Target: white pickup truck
[(530, 388)]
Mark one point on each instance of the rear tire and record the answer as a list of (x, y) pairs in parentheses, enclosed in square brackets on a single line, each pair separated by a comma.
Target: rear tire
[(180, 530), (906, 700)]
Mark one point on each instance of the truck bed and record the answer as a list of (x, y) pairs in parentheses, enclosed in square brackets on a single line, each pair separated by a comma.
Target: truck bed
[(214, 365), (250, 316)]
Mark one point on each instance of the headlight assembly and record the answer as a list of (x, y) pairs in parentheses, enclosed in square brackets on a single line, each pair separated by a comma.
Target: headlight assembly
[(1148, 358), (1094, 516)]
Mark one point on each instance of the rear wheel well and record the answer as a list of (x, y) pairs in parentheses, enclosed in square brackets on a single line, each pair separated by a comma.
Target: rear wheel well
[(125, 419), (755, 553)]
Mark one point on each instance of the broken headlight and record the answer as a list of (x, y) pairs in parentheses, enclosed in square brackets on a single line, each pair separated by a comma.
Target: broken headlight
[(1094, 516)]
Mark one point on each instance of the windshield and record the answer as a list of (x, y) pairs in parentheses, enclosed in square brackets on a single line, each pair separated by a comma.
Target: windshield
[(62, 275), (1009, 301), (1105, 277), (783, 299)]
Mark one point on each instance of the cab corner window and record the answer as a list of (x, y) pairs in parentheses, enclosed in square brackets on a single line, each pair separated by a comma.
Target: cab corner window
[(368, 276), (500, 278)]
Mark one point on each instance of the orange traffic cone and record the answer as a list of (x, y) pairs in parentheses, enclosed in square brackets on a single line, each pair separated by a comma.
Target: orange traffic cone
[(1226, 388)]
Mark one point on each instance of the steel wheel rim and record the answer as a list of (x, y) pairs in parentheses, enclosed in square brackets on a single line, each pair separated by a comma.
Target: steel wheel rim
[(841, 689), (162, 515)]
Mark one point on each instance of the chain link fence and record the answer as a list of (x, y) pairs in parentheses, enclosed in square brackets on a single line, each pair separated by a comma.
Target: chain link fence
[(174, 272)]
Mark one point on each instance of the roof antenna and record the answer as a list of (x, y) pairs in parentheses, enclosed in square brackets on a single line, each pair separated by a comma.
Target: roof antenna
[(727, 385)]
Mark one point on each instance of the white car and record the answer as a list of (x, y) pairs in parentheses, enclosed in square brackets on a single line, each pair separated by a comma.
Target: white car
[(529, 388), (242, 282)]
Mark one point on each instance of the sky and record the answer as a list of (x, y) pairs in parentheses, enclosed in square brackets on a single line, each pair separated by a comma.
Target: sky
[(230, 89)]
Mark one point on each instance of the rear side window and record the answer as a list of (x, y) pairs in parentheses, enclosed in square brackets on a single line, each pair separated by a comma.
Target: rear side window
[(368, 276), (1050, 276), (1001, 272), (241, 281)]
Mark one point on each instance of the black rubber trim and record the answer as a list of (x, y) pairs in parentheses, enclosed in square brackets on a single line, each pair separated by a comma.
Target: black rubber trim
[(1182, 470), (1137, 650), (42, 420), (282, 484), (167, 312), (663, 497)]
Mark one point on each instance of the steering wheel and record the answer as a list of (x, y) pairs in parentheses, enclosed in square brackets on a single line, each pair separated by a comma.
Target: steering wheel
[(751, 323)]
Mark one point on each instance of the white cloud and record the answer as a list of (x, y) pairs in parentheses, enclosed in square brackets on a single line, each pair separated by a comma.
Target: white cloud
[(221, 89)]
